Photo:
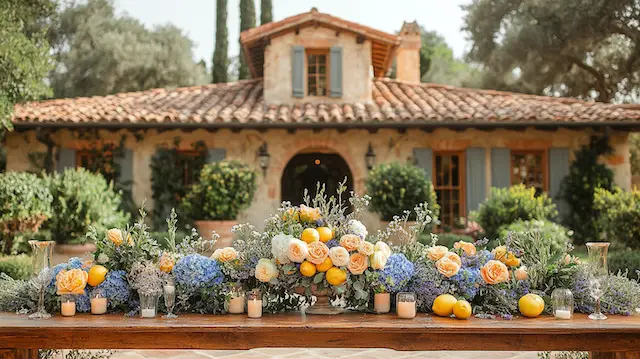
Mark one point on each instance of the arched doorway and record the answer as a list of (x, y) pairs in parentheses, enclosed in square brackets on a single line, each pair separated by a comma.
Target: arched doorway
[(305, 170)]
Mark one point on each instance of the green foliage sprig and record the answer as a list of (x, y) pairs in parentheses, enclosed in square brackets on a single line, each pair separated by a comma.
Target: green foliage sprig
[(555, 236), (619, 215)]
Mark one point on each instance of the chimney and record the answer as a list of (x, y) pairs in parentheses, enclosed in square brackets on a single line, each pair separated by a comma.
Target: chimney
[(408, 53)]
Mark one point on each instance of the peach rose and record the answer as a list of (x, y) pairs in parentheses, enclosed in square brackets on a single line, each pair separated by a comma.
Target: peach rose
[(358, 263), (378, 260), (115, 236), (225, 254), (381, 246), (468, 248), (494, 272), (339, 256), (71, 281), (318, 252), (297, 251), (447, 267), (511, 260), (309, 214), (521, 273), (453, 257), (266, 270), (350, 242), (366, 248), (436, 252), (166, 262), (500, 253)]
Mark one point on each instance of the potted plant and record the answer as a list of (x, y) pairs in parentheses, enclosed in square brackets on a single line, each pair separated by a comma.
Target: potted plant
[(223, 190), (395, 188)]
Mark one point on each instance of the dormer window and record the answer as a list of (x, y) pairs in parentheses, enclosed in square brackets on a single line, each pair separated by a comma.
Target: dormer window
[(317, 72)]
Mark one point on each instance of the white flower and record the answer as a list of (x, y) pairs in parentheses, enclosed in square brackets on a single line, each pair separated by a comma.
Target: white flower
[(339, 256), (103, 258), (384, 248), (378, 260), (366, 248), (266, 270), (356, 227), (280, 247), (297, 250)]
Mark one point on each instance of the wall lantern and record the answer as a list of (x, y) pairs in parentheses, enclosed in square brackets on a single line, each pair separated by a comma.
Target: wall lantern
[(370, 157), (263, 157)]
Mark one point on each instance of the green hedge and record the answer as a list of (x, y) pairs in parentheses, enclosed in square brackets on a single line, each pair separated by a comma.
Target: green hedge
[(623, 260), (16, 267), (24, 198), (553, 234), (619, 215)]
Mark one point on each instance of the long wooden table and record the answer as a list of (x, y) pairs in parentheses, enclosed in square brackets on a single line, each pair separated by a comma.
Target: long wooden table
[(617, 337)]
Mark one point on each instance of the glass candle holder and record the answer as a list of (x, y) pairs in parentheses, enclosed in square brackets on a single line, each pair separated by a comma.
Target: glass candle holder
[(406, 305), (99, 302), (382, 303), (148, 305), (254, 304), (562, 300), (169, 294), (68, 305), (236, 300)]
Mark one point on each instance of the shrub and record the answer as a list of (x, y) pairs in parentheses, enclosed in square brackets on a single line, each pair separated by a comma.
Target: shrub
[(619, 215), (223, 190), (25, 201), (623, 261), (554, 235), (395, 188), (16, 267), (507, 205), (82, 199)]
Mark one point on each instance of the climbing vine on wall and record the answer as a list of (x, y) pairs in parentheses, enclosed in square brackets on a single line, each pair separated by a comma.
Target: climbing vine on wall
[(172, 171)]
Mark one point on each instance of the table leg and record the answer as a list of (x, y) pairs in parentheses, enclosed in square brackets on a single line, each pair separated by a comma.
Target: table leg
[(18, 353), (614, 355)]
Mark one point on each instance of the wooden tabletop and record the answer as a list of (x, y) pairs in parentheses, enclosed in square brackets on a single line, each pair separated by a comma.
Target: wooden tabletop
[(355, 330)]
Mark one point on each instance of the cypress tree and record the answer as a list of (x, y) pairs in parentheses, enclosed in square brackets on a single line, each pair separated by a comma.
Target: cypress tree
[(266, 11), (220, 59), (247, 21)]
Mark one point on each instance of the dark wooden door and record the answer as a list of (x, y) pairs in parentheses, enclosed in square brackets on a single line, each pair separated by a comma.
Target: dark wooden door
[(308, 169)]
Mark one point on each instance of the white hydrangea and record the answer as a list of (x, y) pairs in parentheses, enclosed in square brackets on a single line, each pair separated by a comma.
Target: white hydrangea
[(356, 227), (280, 247), (103, 258)]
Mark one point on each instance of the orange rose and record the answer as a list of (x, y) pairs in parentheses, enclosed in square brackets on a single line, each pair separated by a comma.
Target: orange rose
[(521, 273), (71, 281), (511, 260), (468, 248), (494, 272), (357, 263), (436, 252), (225, 254), (447, 267), (318, 252), (500, 253), (453, 257), (350, 242), (115, 236), (166, 262)]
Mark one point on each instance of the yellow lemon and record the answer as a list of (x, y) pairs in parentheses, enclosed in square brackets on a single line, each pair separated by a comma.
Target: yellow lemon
[(310, 235), (326, 234), (531, 305), (336, 276), (443, 305), (97, 275), (324, 266), (307, 269), (462, 309)]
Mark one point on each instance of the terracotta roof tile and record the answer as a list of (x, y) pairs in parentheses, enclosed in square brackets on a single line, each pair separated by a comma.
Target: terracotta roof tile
[(393, 103)]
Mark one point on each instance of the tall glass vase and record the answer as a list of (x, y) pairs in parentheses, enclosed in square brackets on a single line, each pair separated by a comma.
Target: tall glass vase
[(598, 275), (41, 252)]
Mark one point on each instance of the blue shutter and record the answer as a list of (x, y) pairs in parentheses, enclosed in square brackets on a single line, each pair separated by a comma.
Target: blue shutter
[(126, 168), (66, 159), (424, 159), (500, 167), (297, 71), (216, 154), (475, 178), (558, 170), (335, 72)]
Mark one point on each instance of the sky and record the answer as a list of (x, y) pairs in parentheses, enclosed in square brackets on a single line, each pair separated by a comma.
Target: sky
[(197, 17)]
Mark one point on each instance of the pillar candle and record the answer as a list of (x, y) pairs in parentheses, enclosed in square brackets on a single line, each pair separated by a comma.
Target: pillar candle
[(254, 308), (563, 314), (382, 302), (236, 305), (406, 310), (148, 313), (98, 305), (68, 309)]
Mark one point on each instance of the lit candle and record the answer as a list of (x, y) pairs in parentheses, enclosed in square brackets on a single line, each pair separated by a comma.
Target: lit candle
[(98, 305), (406, 310), (382, 302), (254, 308), (236, 305), (148, 313), (563, 314), (68, 309)]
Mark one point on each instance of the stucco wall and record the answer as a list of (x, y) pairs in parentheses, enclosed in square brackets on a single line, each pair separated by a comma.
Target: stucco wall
[(356, 62), (389, 146)]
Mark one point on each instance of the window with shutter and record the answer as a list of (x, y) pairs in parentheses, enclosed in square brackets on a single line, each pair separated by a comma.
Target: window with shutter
[(317, 72)]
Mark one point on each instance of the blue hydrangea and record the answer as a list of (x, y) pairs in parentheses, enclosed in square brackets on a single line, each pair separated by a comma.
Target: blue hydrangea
[(83, 303), (427, 283), (116, 288), (396, 274), (196, 270), (467, 282)]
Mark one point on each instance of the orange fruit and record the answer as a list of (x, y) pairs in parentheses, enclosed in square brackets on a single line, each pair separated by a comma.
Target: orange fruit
[(443, 305), (326, 234), (531, 305), (307, 269), (310, 235), (336, 276), (324, 266), (97, 275), (462, 309)]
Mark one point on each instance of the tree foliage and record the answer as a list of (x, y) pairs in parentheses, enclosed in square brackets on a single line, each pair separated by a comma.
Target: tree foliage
[(99, 53), (266, 11), (247, 21), (438, 65), (580, 48), (24, 53), (220, 68)]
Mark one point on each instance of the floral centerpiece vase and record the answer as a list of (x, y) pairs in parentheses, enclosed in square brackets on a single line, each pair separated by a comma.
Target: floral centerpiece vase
[(322, 305), (41, 252)]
